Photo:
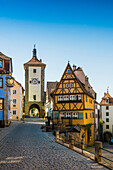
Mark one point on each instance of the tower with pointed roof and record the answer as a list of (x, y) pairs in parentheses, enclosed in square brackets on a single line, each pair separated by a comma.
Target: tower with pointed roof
[(34, 85)]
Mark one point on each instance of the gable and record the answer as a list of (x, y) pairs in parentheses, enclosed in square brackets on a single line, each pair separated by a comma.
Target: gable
[(68, 83)]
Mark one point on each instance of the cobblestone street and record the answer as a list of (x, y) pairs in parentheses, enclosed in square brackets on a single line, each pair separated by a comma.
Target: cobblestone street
[(27, 147)]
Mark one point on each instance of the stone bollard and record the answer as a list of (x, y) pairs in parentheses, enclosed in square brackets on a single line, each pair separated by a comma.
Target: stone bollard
[(71, 144), (57, 136), (98, 151)]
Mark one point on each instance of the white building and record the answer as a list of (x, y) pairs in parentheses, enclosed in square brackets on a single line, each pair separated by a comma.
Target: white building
[(106, 109)]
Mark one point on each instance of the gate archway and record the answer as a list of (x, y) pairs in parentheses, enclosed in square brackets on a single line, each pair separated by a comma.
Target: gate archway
[(34, 110)]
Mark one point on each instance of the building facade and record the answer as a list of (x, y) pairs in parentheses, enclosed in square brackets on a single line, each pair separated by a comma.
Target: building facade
[(49, 100), (106, 110), (5, 73), (34, 85), (74, 104), (16, 104)]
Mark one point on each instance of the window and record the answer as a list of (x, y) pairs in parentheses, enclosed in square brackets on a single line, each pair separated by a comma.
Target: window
[(14, 105), (67, 85), (86, 98), (93, 114), (107, 119), (56, 115), (79, 97), (107, 113), (90, 115), (107, 126), (34, 70), (34, 97), (68, 71), (1, 104), (14, 101), (62, 115), (1, 82), (107, 107), (1, 63), (107, 101), (86, 116), (68, 115), (80, 115), (14, 91), (71, 85), (14, 112), (75, 115)]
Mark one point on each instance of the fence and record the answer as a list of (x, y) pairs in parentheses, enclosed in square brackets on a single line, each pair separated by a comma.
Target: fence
[(97, 153)]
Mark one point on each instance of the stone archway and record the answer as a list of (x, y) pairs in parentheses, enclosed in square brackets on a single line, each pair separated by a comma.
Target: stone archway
[(34, 110), (107, 136)]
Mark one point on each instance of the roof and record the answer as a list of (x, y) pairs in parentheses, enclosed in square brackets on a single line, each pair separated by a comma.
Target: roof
[(81, 76), (80, 83), (19, 85), (50, 88), (4, 56), (106, 96), (34, 61)]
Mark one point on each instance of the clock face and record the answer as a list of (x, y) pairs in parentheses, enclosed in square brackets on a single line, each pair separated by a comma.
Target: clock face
[(34, 81)]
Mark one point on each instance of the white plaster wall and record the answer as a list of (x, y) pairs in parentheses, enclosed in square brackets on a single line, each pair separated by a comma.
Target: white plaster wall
[(110, 123), (35, 89)]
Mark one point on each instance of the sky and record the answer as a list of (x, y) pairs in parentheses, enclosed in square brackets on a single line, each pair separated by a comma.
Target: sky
[(63, 30)]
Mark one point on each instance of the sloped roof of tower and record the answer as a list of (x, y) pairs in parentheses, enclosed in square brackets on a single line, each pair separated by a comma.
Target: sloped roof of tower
[(106, 96), (80, 83), (34, 60), (81, 76)]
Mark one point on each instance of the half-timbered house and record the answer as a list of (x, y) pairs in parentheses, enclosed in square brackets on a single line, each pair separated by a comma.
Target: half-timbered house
[(74, 104)]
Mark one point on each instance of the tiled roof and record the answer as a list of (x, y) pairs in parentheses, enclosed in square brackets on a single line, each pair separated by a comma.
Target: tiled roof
[(4, 56), (106, 96), (34, 61), (81, 76), (19, 85)]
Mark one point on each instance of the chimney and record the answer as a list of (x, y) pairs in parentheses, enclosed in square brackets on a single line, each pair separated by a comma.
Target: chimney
[(86, 83), (104, 94), (74, 67)]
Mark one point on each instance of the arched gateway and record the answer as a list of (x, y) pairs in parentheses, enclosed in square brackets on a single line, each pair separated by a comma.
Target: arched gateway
[(34, 110), (34, 85)]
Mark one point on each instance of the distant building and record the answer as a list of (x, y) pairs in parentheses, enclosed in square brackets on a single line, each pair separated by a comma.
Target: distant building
[(74, 103), (16, 104), (5, 72), (34, 85), (97, 120), (49, 100), (106, 109)]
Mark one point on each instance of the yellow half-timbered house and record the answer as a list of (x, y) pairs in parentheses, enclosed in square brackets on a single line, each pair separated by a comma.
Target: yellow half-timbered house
[(74, 104)]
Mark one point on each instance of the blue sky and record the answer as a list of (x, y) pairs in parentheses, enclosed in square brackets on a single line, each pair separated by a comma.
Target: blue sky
[(78, 31)]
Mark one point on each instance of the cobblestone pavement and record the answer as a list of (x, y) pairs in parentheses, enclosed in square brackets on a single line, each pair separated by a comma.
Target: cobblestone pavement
[(27, 147)]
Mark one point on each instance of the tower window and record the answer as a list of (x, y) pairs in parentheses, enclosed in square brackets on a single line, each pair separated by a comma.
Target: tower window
[(34, 97), (107, 107), (107, 126), (107, 113), (34, 70)]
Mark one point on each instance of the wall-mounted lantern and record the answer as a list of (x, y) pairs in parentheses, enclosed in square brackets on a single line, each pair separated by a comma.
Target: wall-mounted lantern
[(10, 81)]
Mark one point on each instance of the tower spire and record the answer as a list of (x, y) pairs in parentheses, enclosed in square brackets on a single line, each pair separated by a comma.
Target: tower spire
[(34, 51)]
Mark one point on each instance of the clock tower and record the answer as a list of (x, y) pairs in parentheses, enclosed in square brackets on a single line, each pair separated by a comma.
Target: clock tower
[(34, 85)]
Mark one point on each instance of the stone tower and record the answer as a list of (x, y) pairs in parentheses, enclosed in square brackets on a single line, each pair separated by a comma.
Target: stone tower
[(34, 84)]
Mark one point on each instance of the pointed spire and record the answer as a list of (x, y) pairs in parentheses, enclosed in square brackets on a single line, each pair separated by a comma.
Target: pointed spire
[(34, 51), (108, 89)]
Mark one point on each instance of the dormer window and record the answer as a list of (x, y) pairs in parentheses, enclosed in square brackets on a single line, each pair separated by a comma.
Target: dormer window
[(107, 101), (1, 63)]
